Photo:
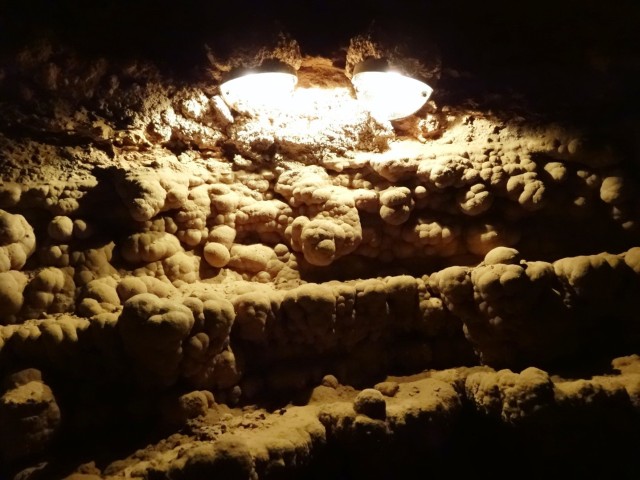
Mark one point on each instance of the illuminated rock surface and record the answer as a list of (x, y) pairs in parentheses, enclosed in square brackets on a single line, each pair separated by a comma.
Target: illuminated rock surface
[(187, 292)]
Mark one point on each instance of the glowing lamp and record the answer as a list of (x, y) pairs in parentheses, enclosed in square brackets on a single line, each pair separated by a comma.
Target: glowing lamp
[(260, 90), (386, 93)]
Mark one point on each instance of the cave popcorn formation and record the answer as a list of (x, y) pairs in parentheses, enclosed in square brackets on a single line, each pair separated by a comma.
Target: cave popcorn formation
[(210, 258)]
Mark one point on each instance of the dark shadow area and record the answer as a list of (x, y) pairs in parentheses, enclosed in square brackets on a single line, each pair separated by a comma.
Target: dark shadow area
[(577, 56), (481, 446), (99, 426)]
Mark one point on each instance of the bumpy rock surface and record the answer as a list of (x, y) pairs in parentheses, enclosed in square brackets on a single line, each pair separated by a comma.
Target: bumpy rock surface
[(168, 263), (29, 416)]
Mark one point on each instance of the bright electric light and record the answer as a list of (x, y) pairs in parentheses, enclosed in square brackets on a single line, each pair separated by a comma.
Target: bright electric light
[(390, 95), (257, 93)]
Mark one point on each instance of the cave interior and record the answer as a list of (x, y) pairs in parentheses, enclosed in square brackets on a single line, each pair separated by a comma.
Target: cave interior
[(194, 288)]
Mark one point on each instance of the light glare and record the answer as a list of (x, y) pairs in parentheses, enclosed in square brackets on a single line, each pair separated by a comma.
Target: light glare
[(390, 95), (259, 93)]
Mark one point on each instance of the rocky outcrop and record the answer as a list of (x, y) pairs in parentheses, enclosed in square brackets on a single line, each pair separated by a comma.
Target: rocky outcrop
[(166, 259)]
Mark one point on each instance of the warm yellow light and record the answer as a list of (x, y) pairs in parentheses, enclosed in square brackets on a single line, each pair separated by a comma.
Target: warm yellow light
[(259, 93), (390, 95)]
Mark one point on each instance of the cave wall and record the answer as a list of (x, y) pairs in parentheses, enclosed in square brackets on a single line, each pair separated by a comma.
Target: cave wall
[(156, 244)]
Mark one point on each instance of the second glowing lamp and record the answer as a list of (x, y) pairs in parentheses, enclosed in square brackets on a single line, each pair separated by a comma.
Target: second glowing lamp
[(386, 93)]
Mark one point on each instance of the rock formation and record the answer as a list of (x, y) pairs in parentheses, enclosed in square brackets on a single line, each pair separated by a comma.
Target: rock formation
[(251, 295)]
